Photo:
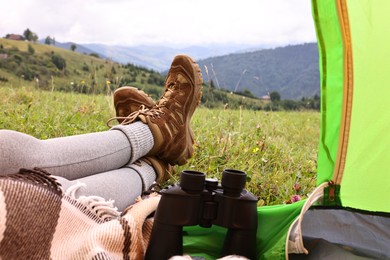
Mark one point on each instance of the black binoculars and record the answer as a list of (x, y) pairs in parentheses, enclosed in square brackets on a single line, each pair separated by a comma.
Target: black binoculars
[(200, 201)]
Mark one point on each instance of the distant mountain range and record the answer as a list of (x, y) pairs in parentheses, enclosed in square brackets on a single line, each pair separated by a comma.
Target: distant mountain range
[(291, 70), (159, 58)]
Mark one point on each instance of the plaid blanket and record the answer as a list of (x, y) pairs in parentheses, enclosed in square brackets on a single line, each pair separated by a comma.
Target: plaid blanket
[(39, 221)]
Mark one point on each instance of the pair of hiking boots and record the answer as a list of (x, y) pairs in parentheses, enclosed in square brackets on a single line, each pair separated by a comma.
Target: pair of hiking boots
[(168, 118)]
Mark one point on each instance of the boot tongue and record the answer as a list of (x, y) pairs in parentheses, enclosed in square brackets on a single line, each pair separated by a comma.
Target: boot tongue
[(166, 96)]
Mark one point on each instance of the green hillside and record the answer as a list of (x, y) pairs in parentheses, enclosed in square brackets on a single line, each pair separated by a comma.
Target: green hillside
[(52, 68)]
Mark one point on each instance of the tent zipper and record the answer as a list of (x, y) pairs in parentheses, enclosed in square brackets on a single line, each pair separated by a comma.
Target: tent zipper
[(347, 95)]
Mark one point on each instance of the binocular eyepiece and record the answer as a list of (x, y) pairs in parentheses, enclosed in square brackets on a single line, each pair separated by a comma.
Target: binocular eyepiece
[(198, 200), (233, 182)]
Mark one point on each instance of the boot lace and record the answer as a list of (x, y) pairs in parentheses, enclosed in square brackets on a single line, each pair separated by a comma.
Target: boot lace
[(156, 111)]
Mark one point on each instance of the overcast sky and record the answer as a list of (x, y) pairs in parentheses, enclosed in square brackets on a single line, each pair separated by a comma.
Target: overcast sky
[(162, 22)]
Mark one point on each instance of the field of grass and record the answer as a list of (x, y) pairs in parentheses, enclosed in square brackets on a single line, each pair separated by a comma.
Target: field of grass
[(278, 150)]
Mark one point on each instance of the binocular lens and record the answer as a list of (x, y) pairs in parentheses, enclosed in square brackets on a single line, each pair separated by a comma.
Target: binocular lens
[(192, 181), (233, 182)]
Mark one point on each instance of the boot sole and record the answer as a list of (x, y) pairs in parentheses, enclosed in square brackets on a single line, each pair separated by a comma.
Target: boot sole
[(187, 153)]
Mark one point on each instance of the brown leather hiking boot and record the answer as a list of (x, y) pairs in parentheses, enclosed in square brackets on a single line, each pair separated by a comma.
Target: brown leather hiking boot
[(130, 99), (169, 120)]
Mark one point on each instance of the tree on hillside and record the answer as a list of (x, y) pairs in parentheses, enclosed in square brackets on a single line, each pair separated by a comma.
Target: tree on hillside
[(49, 40), (248, 93), (275, 96), (27, 34), (30, 36), (58, 61), (94, 54), (73, 47)]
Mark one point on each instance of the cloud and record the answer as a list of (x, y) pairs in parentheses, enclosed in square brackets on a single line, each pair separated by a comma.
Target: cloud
[(185, 22)]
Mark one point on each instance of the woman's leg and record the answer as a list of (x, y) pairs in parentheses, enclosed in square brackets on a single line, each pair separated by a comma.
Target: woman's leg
[(75, 157), (163, 131), (123, 185)]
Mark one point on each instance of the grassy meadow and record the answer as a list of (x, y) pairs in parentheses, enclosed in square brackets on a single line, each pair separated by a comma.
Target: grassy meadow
[(278, 150)]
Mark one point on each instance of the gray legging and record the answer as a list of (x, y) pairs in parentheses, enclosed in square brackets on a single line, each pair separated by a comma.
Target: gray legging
[(103, 160)]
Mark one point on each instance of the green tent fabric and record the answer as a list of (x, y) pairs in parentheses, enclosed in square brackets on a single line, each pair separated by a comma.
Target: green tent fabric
[(353, 159), (354, 39), (366, 181), (273, 222), (331, 75)]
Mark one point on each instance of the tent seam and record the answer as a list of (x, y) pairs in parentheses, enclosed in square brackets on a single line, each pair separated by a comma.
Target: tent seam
[(348, 91)]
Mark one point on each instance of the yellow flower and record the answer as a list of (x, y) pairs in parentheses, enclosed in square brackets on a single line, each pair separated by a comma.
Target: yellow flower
[(255, 150)]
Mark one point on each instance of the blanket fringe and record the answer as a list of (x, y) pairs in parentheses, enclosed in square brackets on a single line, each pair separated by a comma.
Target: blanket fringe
[(104, 209)]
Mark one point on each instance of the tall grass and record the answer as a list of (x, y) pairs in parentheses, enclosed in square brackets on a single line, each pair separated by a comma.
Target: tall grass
[(44, 114), (278, 150)]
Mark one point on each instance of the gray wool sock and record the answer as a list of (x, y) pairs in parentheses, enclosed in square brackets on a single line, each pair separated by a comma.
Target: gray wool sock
[(140, 138), (146, 172)]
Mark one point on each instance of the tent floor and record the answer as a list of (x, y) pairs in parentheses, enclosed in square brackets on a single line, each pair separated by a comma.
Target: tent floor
[(344, 234)]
